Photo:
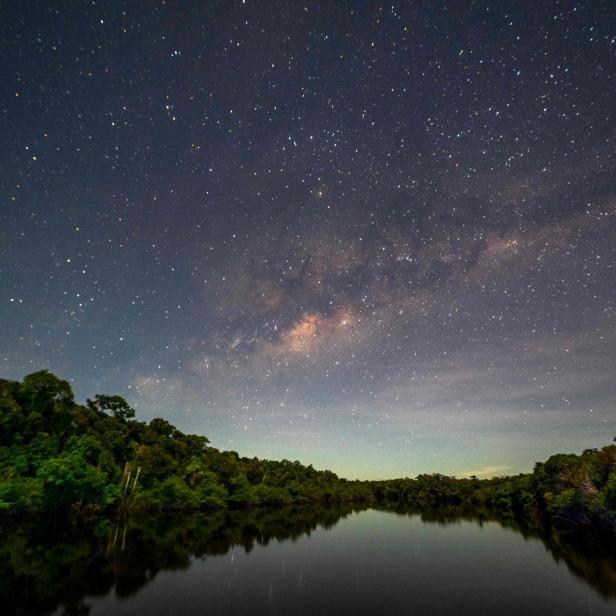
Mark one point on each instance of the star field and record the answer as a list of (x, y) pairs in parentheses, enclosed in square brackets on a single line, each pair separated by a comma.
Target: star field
[(379, 238)]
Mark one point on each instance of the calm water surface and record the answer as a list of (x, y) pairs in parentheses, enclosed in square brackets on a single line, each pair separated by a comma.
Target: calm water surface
[(374, 562)]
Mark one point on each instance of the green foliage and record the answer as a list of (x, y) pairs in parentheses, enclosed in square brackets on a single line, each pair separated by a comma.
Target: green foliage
[(210, 492), (272, 495), (173, 493), (578, 489), (115, 404), (610, 493), (565, 501), (21, 493), (240, 491), (68, 479), (48, 401), (56, 455)]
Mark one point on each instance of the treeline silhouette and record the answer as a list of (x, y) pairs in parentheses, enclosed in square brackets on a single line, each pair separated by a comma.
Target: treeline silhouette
[(568, 489), (60, 457), (77, 461)]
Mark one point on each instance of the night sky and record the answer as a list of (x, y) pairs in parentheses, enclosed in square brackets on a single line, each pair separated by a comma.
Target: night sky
[(378, 238)]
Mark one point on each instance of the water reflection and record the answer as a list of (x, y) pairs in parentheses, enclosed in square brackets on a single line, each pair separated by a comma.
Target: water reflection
[(45, 570), (592, 558)]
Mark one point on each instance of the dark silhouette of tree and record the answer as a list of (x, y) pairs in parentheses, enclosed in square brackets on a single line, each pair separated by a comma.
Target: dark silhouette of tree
[(116, 405)]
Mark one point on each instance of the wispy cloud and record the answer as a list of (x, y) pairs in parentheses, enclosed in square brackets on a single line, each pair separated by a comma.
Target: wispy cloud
[(487, 471)]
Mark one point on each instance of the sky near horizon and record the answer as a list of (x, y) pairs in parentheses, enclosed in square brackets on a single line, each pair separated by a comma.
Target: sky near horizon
[(378, 238)]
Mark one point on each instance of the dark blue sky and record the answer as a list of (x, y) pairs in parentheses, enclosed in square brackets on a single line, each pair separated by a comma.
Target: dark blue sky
[(375, 237)]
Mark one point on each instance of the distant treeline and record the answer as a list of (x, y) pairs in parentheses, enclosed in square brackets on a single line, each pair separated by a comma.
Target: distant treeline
[(60, 457), (577, 490)]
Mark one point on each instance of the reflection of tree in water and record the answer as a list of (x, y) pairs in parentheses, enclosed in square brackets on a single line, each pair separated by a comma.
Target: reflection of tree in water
[(42, 570), (589, 557)]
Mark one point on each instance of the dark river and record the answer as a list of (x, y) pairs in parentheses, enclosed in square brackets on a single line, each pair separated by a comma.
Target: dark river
[(306, 561)]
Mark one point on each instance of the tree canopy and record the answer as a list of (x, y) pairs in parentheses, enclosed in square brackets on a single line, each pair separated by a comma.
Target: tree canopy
[(60, 456)]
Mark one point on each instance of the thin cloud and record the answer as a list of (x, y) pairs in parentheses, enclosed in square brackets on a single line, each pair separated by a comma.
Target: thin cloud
[(487, 471)]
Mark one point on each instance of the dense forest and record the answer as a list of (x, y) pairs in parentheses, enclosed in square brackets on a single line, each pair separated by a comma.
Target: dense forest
[(75, 461), (59, 456)]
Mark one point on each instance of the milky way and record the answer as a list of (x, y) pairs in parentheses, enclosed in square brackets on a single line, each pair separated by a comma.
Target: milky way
[(375, 238)]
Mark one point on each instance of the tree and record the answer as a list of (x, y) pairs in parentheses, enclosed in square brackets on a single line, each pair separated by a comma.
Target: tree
[(115, 404), (240, 491), (211, 493), (162, 427), (610, 493), (48, 402), (69, 479)]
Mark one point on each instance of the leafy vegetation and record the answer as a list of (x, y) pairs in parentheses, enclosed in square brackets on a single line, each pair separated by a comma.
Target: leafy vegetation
[(60, 457), (577, 490), (98, 464)]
